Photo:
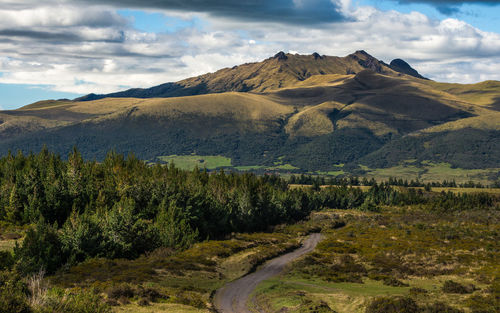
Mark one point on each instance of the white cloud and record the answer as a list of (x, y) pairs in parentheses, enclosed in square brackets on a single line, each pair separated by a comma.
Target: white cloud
[(94, 49)]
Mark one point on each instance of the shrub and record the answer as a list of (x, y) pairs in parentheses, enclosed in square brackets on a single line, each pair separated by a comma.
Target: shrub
[(6, 260), (440, 307), (484, 304), (418, 291), (309, 306), (451, 286), (13, 294), (391, 281), (393, 305), (150, 294), (120, 291), (191, 299), (143, 302), (40, 249)]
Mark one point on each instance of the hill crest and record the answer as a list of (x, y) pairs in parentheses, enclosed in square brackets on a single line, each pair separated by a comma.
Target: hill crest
[(280, 71)]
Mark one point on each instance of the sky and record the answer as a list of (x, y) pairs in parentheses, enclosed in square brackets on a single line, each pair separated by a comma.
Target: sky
[(52, 49)]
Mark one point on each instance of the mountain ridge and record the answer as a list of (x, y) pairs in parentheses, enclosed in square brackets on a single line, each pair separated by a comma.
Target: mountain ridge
[(299, 113), (281, 70)]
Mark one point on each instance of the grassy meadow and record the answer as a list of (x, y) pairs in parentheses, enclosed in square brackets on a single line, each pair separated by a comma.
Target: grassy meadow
[(430, 172), (189, 162)]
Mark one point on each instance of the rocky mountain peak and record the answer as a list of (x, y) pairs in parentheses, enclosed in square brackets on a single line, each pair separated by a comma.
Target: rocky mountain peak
[(280, 56), (402, 66), (317, 56)]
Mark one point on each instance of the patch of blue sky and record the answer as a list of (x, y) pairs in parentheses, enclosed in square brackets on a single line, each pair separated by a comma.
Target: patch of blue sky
[(482, 16), (14, 96), (155, 22)]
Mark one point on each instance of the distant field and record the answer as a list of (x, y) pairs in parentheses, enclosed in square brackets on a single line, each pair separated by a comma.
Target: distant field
[(495, 191), (189, 162), (410, 170), (249, 167), (431, 172)]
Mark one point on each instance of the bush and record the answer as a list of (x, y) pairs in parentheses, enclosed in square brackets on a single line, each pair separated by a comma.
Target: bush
[(191, 299), (440, 307), (484, 304), (418, 291), (13, 294), (6, 260), (120, 291), (391, 281), (393, 305), (309, 306), (451, 286), (40, 249), (150, 294)]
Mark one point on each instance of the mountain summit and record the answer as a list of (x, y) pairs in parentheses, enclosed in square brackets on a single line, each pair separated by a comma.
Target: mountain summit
[(281, 71)]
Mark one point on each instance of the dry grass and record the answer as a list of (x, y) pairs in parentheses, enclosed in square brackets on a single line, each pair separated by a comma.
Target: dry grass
[(487, 121), (38, 288), (313, 121), (484, 94), (7, 245), (158, 307)]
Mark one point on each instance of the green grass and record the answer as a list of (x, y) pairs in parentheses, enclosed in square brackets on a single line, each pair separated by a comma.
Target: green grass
[(293, 293), (249, 167), (189, 162), (430, 172), (278, 166), (283, 167), (331, 173)]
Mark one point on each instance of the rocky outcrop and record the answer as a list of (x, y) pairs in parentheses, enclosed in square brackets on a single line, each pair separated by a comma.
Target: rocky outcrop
[(402, 67)]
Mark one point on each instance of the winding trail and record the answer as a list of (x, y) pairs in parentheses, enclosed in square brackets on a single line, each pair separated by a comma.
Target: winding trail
[(233, 297)]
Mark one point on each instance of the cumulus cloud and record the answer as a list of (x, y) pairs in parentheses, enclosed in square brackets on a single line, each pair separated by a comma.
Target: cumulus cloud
[(92, 48)]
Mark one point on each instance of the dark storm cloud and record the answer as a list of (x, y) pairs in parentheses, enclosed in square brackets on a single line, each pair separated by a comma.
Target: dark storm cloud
[(40, 35), (449, 7), (55, 37), (452, 2), (285, 11)]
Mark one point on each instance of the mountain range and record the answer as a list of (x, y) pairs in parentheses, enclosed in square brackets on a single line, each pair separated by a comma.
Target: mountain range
[(300, 113)]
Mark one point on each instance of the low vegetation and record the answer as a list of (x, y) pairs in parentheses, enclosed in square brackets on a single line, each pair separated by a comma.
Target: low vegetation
[(400, 259), (124, 234)]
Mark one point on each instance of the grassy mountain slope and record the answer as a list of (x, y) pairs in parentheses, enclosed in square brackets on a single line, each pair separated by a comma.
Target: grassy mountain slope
[(310, 112), (282, 70)]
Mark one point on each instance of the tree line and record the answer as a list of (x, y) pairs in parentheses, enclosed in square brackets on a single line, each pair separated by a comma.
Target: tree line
[(123, 207)]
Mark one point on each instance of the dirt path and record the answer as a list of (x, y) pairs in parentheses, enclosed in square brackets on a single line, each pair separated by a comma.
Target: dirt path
[(233, 297)]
